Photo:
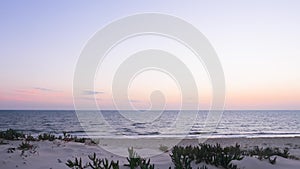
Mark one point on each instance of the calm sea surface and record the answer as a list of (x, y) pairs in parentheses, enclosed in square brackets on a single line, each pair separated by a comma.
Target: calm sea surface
[(154, 124)]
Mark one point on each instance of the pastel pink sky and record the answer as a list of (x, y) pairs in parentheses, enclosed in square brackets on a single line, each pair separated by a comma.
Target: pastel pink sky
[(257, 44)]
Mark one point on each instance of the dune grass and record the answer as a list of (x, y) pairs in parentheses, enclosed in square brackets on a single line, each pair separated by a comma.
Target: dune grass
[(189, 156), (11, 134)]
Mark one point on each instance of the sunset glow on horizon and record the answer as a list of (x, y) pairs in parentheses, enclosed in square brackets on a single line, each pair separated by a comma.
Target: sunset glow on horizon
[(257, 44)]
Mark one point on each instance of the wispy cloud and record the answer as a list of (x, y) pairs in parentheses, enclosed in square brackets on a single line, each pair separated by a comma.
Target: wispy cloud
[(91, 92), (45, 89), (35, 90)]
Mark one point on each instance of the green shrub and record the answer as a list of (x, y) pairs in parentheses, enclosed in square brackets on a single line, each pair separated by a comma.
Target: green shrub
[(79, 140), (135, 161), (25, 146), (182, 157), (96, 163), (145, 164), (102, 163), (67, 136), (11, 134), (30, 138), (210, 154), (46, 136), (77, 164), (267, 153)]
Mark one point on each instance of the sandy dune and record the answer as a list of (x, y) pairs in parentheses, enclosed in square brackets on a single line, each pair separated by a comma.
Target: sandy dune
[(54, 154)]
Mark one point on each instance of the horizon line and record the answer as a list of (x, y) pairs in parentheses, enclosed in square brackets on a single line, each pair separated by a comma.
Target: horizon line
[(148, 110)]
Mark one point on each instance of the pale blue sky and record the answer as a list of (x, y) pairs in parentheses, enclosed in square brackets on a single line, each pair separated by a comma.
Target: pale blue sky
[(256, 41)]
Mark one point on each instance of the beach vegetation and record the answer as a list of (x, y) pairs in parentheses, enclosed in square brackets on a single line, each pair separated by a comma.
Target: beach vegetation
[(46, 136), (293, 157), (98, 163), (76, 164), (267, 153), (145, 164), (132, 153), (140, 163), (182, 157), (135, 161), (95, 163), (25, 145), (30, 138), (79, 140), (67, 136), (185, 157), (11, 134)]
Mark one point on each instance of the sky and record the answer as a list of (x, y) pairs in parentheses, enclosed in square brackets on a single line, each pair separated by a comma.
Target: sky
[(257, 43)]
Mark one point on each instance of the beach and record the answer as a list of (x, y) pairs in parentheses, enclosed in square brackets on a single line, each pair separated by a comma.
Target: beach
[(59, 136), (54, 154), (145, 85)]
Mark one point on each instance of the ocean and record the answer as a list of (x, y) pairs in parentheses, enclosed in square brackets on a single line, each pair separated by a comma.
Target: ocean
[(109, 123)]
